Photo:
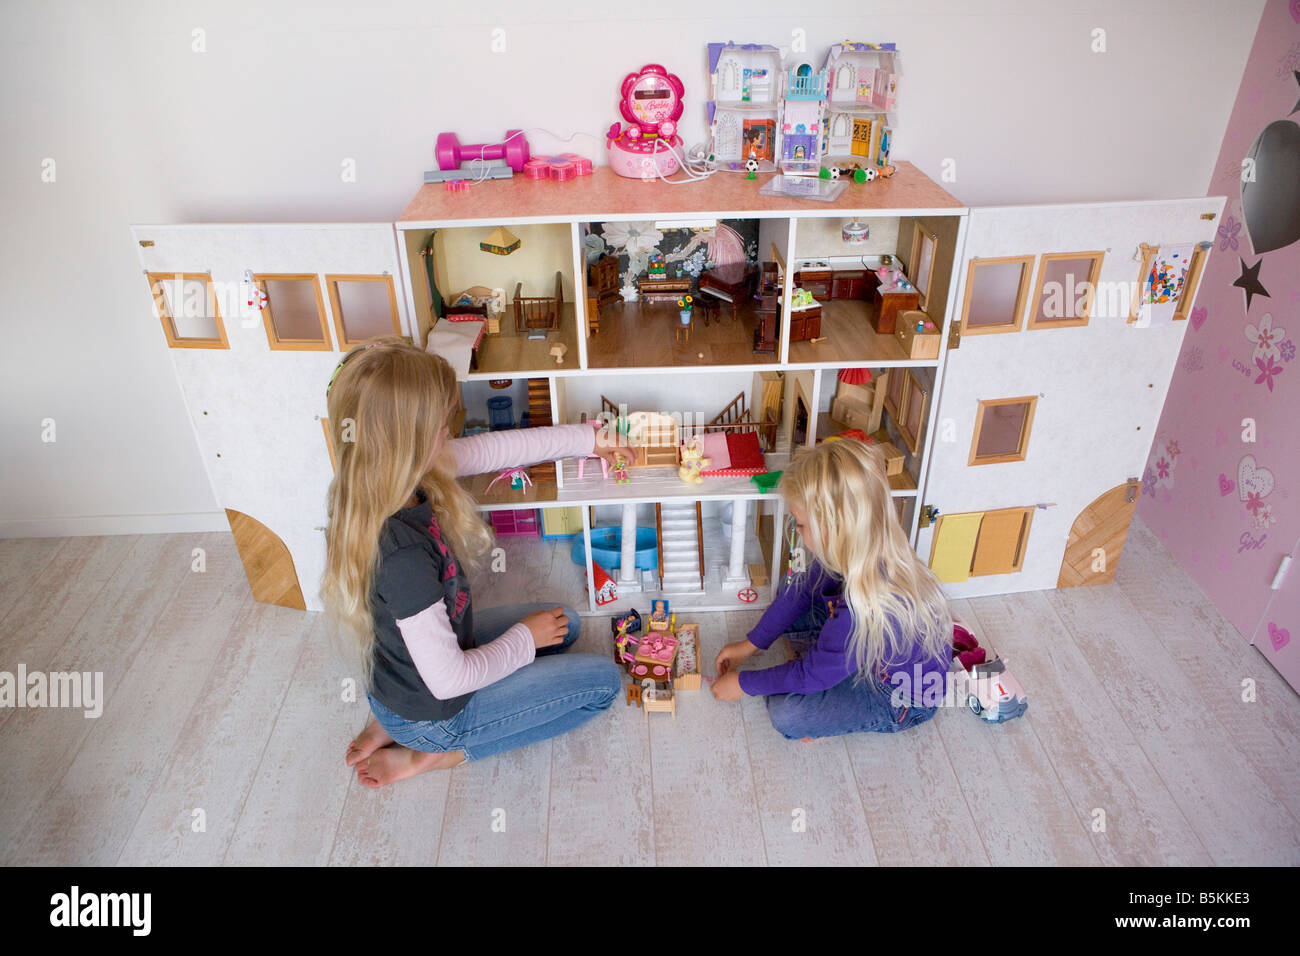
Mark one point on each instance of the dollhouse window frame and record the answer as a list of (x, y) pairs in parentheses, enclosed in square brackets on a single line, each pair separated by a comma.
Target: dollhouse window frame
[(1035, 304), (1022, 445), (912, 387), (1187, 297), (921, 238), (157, 284), (273, 337), (983, 565), (895, 408), (332, 281), (1017, 564), (1022, 295)]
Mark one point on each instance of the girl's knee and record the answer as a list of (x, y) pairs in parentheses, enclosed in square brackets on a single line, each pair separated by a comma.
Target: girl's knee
[(783, 711), (575, 625)]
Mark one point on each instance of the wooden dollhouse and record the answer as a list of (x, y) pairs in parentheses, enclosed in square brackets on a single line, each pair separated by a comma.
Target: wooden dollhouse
[(1020, 320)]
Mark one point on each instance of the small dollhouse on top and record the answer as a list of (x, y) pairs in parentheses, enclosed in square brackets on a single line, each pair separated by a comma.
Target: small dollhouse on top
[(800, 118), (863, 86), (745, 108), (801, 122)]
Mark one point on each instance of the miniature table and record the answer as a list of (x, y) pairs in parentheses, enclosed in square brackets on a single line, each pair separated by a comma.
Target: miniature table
[(889, 303), (660, 289)]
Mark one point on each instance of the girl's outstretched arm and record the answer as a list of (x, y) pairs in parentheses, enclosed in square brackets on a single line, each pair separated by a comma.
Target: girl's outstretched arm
[(494, 451)]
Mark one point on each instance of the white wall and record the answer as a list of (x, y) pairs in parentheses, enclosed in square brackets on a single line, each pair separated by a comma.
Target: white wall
[(258, 117)]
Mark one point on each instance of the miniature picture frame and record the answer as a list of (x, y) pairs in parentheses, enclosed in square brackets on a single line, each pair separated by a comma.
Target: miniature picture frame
[(659, 615)]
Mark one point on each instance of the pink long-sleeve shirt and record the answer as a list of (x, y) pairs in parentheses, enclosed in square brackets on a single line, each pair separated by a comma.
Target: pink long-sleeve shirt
[(427, 661)]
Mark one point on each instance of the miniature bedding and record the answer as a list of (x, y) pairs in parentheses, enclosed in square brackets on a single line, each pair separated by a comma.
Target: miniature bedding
[(714, 448), (744, 457)]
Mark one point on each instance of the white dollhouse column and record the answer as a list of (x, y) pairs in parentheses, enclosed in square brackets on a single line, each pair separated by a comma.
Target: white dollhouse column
[(737, 575), (628, 578)]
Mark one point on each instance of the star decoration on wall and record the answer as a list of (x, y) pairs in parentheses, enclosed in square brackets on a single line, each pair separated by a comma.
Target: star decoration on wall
[(1249, 281)]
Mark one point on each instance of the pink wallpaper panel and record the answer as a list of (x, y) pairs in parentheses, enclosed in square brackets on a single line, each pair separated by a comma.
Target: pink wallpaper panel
[(1222, 485)]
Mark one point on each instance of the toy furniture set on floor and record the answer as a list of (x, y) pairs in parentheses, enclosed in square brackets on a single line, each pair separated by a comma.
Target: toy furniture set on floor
[(662, 660)]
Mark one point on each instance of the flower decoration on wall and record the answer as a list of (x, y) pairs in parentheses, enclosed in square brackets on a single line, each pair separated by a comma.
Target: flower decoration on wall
[(1228, 232), (1268, 370), (637, 240), (1265, 337)]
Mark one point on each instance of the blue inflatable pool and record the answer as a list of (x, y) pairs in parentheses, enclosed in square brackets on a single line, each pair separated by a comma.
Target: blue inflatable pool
[(605, 547)]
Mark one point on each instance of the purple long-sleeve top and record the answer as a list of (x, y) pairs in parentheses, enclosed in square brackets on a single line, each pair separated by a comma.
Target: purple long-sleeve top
[(830, 659)]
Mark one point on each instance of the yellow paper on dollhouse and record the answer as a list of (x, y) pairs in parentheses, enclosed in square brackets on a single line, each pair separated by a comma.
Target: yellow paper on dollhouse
[(954, 546)]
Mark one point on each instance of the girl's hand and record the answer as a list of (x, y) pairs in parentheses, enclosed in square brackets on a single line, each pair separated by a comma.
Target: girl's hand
[(733, 655), (612, 447), (548, 627), (727, 687)]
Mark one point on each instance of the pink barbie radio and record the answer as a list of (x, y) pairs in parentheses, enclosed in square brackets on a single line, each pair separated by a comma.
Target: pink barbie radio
[(651, 102)]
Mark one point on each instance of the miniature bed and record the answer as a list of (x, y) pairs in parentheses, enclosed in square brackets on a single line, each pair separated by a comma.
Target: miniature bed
[(731, 439)]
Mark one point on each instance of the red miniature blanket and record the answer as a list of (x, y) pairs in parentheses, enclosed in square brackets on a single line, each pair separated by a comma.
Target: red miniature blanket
[(745, 454)]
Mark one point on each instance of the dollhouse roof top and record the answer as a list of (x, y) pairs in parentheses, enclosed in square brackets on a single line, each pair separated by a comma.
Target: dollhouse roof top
[(851, 46), (715, 51)]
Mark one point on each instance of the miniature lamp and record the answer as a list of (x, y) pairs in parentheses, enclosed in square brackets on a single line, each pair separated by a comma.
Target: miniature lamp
[(500, 241), (855, 232)]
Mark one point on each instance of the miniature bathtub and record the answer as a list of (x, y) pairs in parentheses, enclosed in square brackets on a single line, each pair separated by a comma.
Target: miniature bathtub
[(605, 547)]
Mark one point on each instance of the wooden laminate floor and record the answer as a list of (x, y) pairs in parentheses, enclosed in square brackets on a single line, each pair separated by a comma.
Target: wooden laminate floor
[(1137, 747)]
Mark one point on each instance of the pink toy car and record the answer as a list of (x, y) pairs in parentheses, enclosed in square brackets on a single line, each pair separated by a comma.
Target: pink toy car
[(988, 688)]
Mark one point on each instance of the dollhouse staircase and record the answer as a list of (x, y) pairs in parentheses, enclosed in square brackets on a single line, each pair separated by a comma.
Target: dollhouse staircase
[(539, 413), (681, 547)]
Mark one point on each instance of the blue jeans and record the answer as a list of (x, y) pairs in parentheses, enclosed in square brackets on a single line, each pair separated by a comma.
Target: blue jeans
[(553, 694), (850, 707)]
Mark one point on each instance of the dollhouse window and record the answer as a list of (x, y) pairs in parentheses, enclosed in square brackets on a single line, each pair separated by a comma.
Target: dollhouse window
[(187, 305), (912, 420), (1002, 430), (294, 313), (894, 393), (1000, 545), (1067, 287), (996, 293), (731, 78), (1188, 295), (844, 78), (924, 245), (364, 306)]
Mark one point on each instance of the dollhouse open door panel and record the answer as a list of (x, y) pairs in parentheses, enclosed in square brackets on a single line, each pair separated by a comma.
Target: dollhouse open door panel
[(1053, 377), (255, 318), (1097, 538)]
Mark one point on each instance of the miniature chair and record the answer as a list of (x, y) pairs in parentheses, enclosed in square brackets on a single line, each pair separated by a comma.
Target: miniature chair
[(710, 308), (604, 465)]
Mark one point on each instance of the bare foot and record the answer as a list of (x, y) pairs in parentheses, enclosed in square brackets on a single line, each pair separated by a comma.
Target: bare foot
[(389, 764), (367, 742)]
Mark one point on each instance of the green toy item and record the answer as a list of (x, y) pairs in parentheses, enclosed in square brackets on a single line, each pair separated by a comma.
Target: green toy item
[(766, 481)]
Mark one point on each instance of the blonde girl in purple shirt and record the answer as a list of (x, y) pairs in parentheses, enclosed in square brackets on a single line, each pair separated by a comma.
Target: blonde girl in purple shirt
[(869, 618)]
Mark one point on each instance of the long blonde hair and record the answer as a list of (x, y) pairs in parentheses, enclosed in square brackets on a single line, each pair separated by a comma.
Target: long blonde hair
[(841, 487), (387, 405)]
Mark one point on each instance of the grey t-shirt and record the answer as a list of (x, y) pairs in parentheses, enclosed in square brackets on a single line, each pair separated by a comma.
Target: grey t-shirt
[(416, 569)]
